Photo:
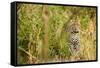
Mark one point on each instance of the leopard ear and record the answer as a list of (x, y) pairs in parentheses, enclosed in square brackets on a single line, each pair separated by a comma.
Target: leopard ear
[(69, 25), (78, 20), (78, 23)]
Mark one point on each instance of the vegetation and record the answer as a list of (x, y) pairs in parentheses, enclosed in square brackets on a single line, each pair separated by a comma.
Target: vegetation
[(42, 35)]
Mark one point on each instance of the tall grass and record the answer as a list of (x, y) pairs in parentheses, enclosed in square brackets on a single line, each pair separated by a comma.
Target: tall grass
[(42, 35)]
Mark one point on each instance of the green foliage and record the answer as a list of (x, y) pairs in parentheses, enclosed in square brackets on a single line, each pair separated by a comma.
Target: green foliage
[(30, 30), (84, 22)]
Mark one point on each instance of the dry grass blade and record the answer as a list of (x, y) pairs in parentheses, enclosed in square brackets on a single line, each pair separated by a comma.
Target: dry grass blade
[(27, 53)]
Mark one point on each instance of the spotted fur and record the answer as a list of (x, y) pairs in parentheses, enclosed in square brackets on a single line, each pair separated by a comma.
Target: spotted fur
[(74, 37)]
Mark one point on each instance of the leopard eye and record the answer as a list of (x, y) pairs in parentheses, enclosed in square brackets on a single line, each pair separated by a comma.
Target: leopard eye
[(72, 32), (76, 31)]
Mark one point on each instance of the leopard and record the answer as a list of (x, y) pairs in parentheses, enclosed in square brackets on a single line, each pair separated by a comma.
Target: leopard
[(73, 29)]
